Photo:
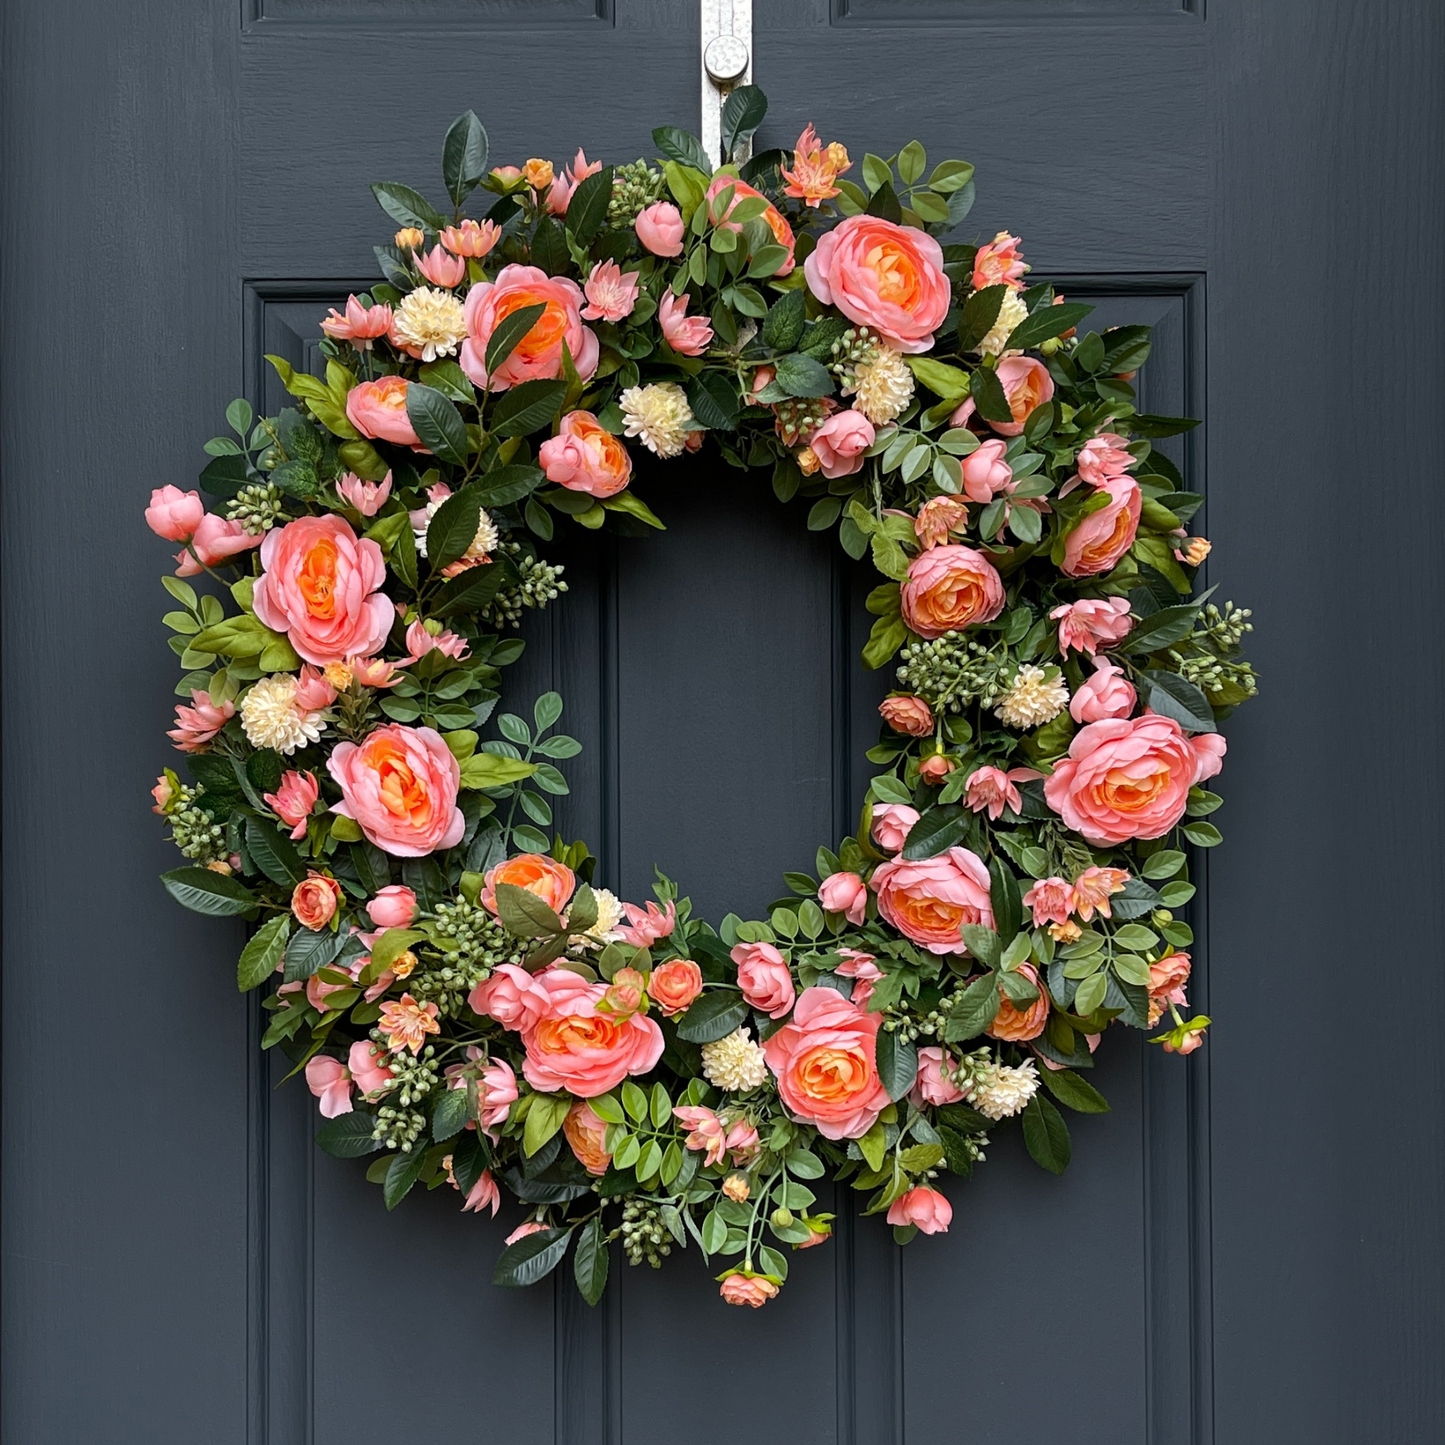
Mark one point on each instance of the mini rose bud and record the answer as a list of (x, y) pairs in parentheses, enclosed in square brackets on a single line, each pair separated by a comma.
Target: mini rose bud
[(819, 1231), (807, 460), (409, 238), (743, 1288), (907, 714), (935, 768), (781, 1218), (892, 823), (393, 907), (845, 893), (174, 514), (625, 994), (314, 900), (403, 966), (660, 229), (764, 978), (925, 1209), (539, 173)]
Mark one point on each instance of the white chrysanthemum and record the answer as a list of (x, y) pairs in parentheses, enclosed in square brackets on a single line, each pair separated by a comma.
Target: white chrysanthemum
[(734, 1064), (1003, 1091), (882, 387), (609, 915), (272, 720), (430, 321), (1037, 696), (481, 546), (1013, 310), (660, 415)]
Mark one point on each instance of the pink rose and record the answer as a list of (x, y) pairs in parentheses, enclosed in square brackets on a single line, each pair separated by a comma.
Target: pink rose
[(314, 900), (951, 588), (367, 1068), (321, 587), (925, 1209), (994, 790), (845, 893), (910, 715), (216, 539), (687, 335), (174, 514), (935, 768), (1052, 900), (1104, 457), (985, 473), (930, 900), (840, 442), (1100, 539), (1095, 622), (1107, 694), (826, 1065), (377, 409), (747, 1289), (659, 228), (764, 978), (574, 1047), (400, 787), (892, 823), (647, 925), (610, 293), (675, 985), (538, 355), (330, 1080), (512, 996), (933, 1086), (1130, 778), (393, 907), (882, 275), (585, 457), (367, 497), (1026, 385)]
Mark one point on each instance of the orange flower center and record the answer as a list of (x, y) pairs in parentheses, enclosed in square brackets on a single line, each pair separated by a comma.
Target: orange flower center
[(895, 276), (1125, 791), (1115, 539), (317, 579), (831, 1074), (567, 1035), (391, 393), (402, 793), (932, 915), (547, 331)]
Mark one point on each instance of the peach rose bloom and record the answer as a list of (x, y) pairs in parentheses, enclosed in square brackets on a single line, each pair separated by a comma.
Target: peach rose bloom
[(585, 457), (674, 986), (1167, 979), (400, 788), (907, 714), (1096, 543), (1018, 1025), (1052, 900), (782, 231), (840, 443), (585, 1133), (1026, 384), (660, 229), (933, 1086), (551, 881), (174, 514), (1092, 623), (321, 587), (512, 996), (748, 1289), (764, 977), (892, 823), (985, 473), (377, 409), (950, 588), (884, 276), (393, 907), (826, 1064), (930, 900), (538, 356), (575, 1048), (1108, 693), (925, 1209), (845, 893), (1130, 777), (314, 900)]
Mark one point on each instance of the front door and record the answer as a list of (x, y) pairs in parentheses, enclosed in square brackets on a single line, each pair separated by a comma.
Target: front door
[(1247, 1248)]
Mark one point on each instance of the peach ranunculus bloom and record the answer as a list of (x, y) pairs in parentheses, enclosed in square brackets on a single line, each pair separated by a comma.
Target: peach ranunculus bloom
[(377, 409), (473, 239), (845, 893), (551, 881), (174, 514), (1026, 385), (892, 823), (907, 714), (330, 1080), (994, 789), (933, 1086), (1000, 263), (687, 335), (841, 442), (538, 355), (611, 294), (574, 1047), (314, 900), (198, 724), (764, 977), (928, 1211), (742, 1288), (512, 996), (1018, 1025), (659, 227), (393, 907), (586, 1134), (1130, 777), (360, 325), (773, 217), (406, 1023), (400, 788), (929, 901), (815, 168), (585, 457), (1094, 887), (321, 587), (951, 588), (1099, 540), (938, 517), (884, 276), (217, 538), (1167, 978), (1052, 901), (826, 1065), (1092, 623), (985, 472), (1107, 693), (674, 986)]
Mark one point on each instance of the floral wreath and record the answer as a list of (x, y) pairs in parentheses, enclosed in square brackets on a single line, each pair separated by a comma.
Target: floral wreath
[(462, 1000)]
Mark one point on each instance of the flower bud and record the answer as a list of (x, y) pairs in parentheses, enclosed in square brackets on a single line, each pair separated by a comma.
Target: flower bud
[(409, 238), (782, 1218), (404, 965), (736, 1188), (539, 174)]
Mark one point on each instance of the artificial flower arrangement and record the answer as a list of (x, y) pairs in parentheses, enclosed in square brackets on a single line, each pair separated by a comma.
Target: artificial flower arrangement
[(462, 1000)]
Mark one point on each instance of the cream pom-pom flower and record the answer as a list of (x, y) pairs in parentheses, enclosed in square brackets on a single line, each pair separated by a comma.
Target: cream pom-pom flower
[(272, 720), (429, 323), (1004, 1090), (882, 387), (1013, 310), (609, 915), (659, 415), (479, 549), (734, 1064), (1037, 695)]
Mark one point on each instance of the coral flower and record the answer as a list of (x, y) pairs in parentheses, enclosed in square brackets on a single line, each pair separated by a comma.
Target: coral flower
[(999, 264), (925, 1209), (1026, 385), (174, 514), (586, 1133), (406, 1024), (938, 517), (360, 325), (1099, 540), (216, 539), (377, 409), (1093, 889), (815, 168), (484, 1194), (551, 881), (367, 497), (1093, 623), (293, 801), (675, 985), (929, 901), (1051, 899), (743, 1288), (611, 294), (892, 823), (907, 714), (471, 238), (950, 588), (198, 724), (1016, 1025), (647, 925), (441, 268), (705, 1133), (585, 457), (687, 335), (845, 893), (575, 1047), (660, 229), (400, 787), (538, 355), (330, 1080), (994, 790)]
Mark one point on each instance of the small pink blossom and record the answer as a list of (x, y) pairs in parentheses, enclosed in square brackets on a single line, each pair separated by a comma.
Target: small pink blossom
[(313, 691), (985, 473), (1051, 899), (496, 1093), (367, 1068), (892, 823), (440, 267), (174, 514), (687, 335), (1093, 888), (1104, 456), (705, 1133), (995, 790), (743, 1142), (367, 497), (1092, 623), (933, 1086), (216, 539), (610, 293), (293, 801), (471, 238), (937, 518), (660, 229), (484, 1194), (330, 1080), (1000, 263), (360, 325), (845, 893), (528, 1226), (647, 925), (372, 672), (925, 1209), (393, 907), (863, 969), (419, 642), (198, 724)]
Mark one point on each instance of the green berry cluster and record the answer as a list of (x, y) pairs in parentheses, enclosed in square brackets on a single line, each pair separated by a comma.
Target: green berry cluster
[(951, 671), (194, 831), (799, 417), (399, 1128), (540, 584), (644, 1236), (856, 347), (412, 1078), (257, 508), (635, 186)]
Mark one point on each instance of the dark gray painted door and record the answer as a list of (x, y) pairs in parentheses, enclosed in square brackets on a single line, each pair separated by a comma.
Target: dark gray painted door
[(1248, 1248)]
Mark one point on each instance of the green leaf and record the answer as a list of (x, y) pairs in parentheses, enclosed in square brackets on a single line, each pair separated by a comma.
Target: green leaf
[(1203, 835), (988, 395), (912, 162), (263, 952), (783, 327), (1046, 1134), (590, 1263), (1004, 895), (348, 1136), (527, 407), (407, 206), (742, 114), (452, 1114), (437, 423), (531, 1258), (979, 313), (1045, 324), (544, 1119), (453, 528), (947, 381), (714, 1232), (225, 476), (464, 156), (549, 246), (203, 891), (714, 1016), (401, 1174), (634, 1101), (471, 590), (488, 770), (950, 176), (681, 146), (587, 209), (509, 332), (274, 854), (523, 914), (1073, 1092), (897, 1064), (802, 376), (976, 1008), (983, 943), (309, 950), (713, 400), (1172, 696), (1164, 864), (1162, 629), (941, 827), (874, 1147), (887, 636)]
